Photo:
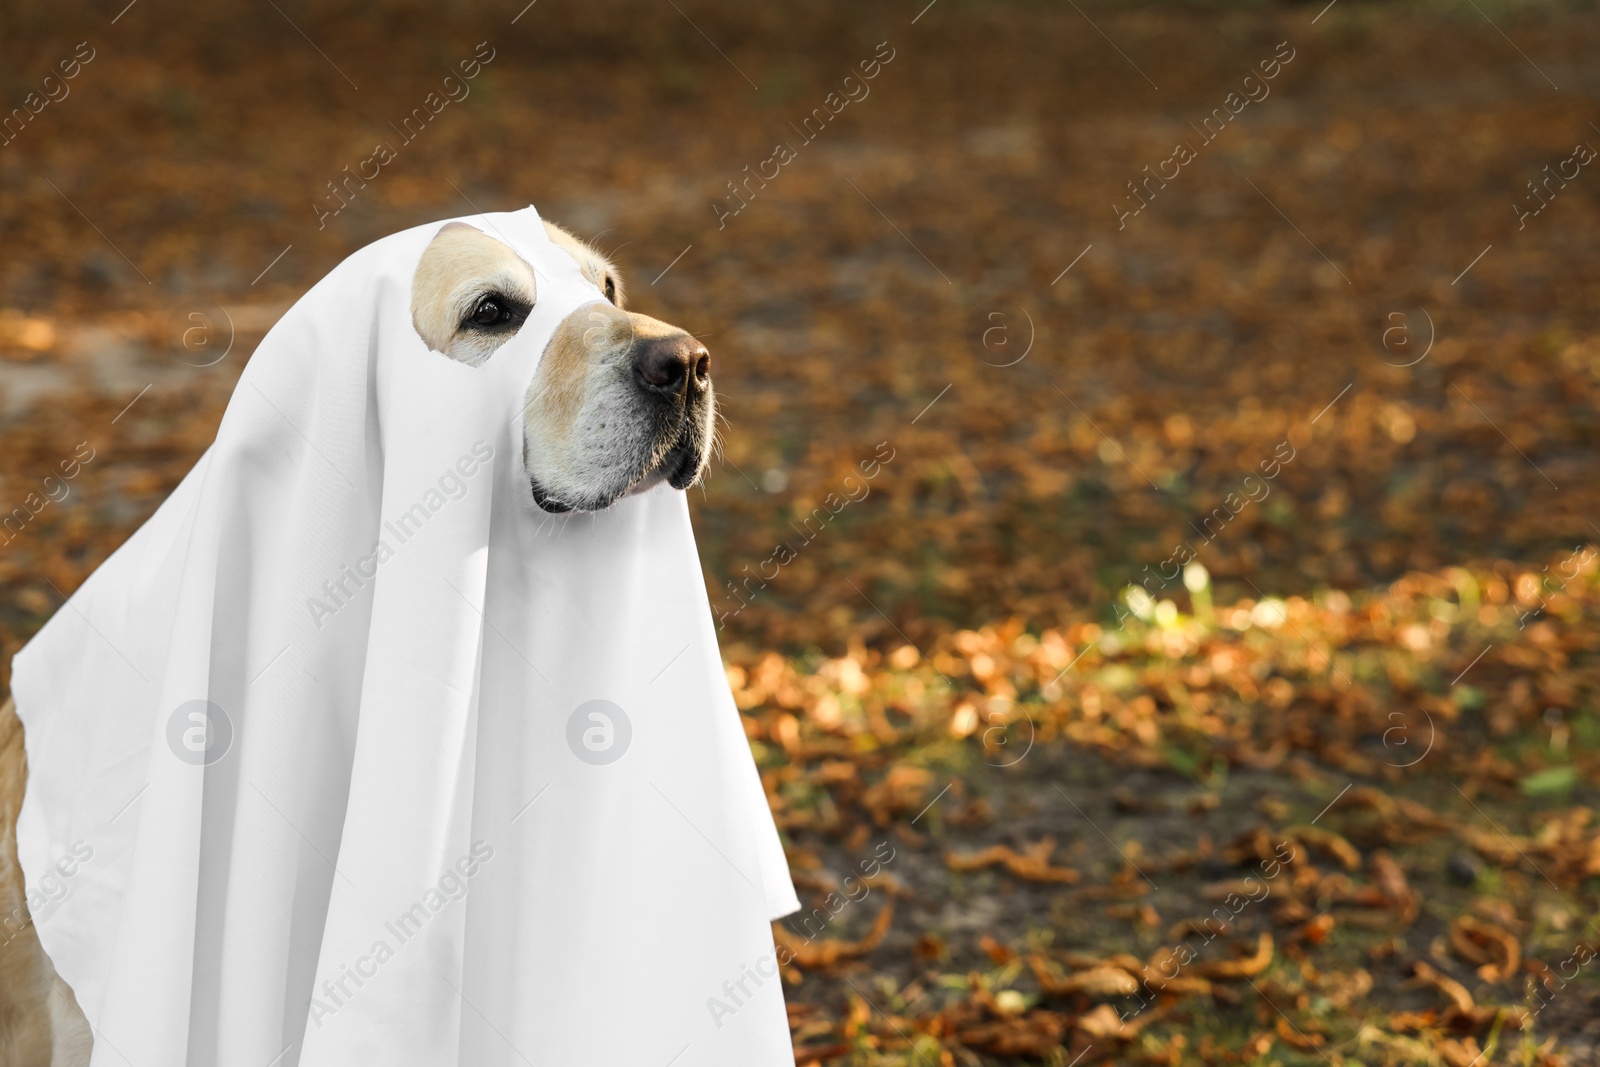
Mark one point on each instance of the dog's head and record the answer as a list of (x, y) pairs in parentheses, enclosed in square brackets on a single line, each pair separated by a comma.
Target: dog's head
[(620, 401)]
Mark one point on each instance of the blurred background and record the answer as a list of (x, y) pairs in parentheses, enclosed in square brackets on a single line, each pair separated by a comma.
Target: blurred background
[(1155, 534)]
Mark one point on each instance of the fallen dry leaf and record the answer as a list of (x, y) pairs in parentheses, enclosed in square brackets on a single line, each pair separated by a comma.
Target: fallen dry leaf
[(1247, 967), (1293, 1036), (1102, 981), (1459, 997), (1496, 949), (825, 952), (1032, 864), (1328, 843)]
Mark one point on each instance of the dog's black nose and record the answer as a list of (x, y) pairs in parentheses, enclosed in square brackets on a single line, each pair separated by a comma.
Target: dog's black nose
[(672, 366)]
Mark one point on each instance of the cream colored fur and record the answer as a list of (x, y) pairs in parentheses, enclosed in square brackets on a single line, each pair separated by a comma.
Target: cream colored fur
[(587, 439), (464, 264), (40, 1024)]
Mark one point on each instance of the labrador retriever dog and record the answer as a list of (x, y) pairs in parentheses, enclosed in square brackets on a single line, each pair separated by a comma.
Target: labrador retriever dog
[(620, 402)]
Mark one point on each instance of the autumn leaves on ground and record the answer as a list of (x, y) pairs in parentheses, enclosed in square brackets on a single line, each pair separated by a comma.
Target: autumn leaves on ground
[(1160, 582)]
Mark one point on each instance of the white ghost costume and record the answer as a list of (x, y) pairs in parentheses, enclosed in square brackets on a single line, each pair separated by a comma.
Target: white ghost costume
[(373, 762)]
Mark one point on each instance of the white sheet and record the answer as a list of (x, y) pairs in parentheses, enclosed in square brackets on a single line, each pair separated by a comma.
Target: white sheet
[(398, 643)]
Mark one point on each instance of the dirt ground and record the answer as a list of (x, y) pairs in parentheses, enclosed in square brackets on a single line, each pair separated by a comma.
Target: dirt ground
[(1206, 673)]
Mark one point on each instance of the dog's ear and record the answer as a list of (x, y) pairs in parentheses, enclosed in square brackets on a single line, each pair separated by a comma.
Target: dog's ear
[(470, 294), (596, 267)]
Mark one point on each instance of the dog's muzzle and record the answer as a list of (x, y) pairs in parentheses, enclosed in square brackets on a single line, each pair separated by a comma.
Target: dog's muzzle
[(647, 416)]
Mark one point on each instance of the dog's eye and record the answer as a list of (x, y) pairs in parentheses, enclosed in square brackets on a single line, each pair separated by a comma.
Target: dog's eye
[(611, 289), (491, 311)]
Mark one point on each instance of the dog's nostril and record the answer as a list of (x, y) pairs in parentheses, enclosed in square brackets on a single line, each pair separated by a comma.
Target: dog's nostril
[(662, 370), (668, 364)]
